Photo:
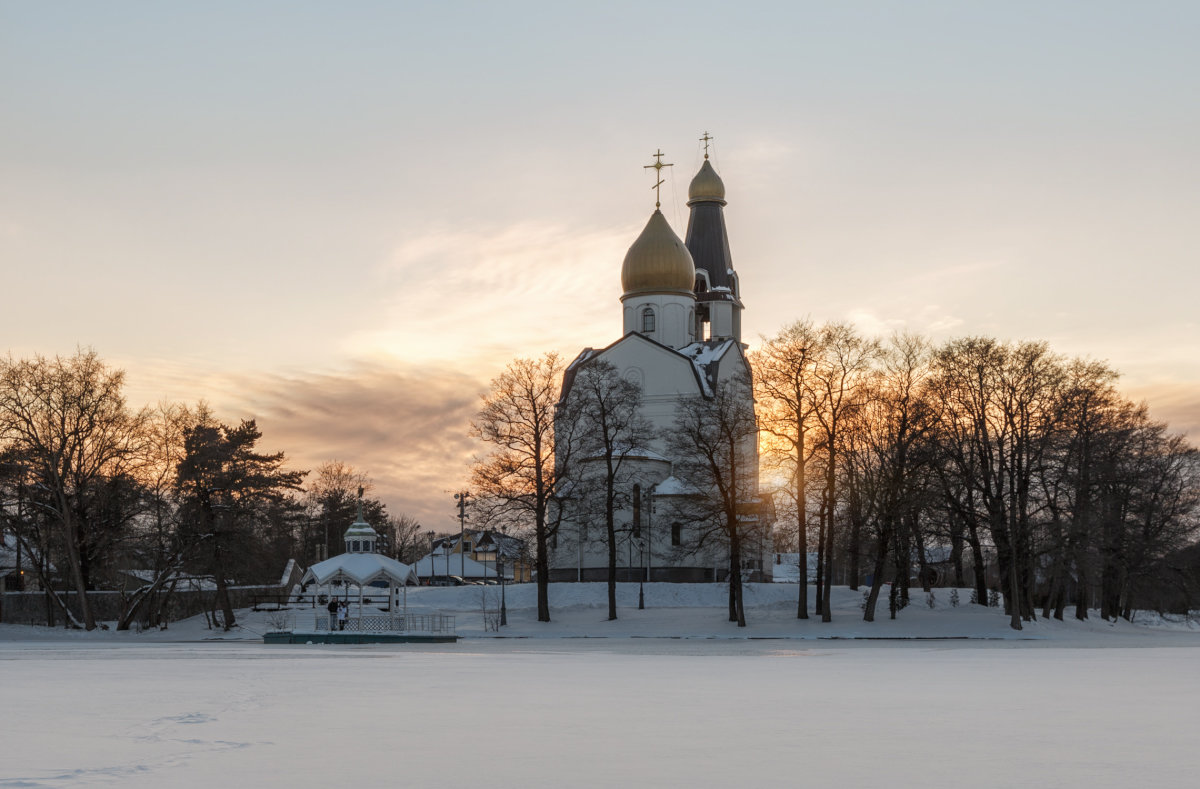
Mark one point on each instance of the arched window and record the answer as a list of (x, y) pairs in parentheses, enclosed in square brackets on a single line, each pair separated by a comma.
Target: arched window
[(648, 320)]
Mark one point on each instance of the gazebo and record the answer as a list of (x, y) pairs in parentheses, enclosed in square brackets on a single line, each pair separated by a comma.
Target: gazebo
[(361, 565)]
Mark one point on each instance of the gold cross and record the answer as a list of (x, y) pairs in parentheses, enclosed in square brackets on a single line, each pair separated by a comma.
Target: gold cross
[(706, 139), (658, 165)]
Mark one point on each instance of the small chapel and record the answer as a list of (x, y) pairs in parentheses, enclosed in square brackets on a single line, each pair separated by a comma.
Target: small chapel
[(681, 306)]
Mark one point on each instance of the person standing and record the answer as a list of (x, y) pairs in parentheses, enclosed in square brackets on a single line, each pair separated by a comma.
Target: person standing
[(341, 613), (333, 608)]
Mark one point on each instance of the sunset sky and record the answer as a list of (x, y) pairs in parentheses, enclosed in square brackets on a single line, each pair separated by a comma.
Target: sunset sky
[(342, 219)]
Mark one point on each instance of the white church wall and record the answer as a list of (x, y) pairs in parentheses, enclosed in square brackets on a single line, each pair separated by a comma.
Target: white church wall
[(675, 325), (721, 317), (665, 376), (671, 322)]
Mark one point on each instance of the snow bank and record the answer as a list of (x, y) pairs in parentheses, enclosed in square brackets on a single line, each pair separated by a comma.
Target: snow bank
[(688, 611)]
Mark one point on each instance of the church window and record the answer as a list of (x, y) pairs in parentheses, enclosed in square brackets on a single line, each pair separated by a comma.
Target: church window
[(676, 534), (648, 320)]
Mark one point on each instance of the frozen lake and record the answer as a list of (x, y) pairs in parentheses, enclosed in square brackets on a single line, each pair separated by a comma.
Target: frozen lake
[(571, 712)]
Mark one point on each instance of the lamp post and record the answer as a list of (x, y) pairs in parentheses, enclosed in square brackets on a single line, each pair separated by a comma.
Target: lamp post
[(642, 580), (503, 605)]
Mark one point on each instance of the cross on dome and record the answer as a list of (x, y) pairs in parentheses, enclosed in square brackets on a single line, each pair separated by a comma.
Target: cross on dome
[(657, 167)]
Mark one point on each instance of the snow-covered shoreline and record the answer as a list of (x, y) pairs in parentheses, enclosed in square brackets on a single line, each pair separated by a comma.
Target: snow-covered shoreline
[(687, 611)]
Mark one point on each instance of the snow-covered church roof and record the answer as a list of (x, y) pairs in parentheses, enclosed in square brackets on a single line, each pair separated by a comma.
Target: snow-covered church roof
[(705, 357), (674, 486)]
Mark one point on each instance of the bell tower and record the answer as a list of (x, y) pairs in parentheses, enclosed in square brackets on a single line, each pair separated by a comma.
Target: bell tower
[(718, 293)]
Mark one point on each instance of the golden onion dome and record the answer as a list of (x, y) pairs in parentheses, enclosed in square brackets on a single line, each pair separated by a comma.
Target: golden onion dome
[(658, 261), (706, 186)]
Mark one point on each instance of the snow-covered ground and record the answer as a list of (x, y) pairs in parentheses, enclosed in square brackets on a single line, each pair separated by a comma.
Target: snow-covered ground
[(705, 704)]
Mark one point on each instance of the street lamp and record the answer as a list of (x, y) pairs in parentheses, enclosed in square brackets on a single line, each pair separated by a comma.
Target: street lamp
[(503, 605), (642, 579)]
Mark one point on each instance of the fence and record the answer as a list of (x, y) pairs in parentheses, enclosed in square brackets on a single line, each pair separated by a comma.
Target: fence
[(374, 623), (35, 608)]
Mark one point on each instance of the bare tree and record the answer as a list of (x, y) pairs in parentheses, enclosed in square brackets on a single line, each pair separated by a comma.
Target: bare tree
[(715, 443), (407, 544), (520, 478), (840, 378), (68, 419), (1001, 415), (888, 430), (610, 428), (332, 501), (160, 548), (783, 383)]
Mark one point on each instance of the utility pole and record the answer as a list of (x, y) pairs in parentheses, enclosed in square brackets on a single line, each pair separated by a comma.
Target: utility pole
[(461, 498)]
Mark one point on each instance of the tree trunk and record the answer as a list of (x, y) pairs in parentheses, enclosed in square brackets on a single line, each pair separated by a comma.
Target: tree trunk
[(543, 569), (981, 589), (610, 525), (902, 562), (1051, 592), (826, 610), (818, 606), (1014, 593), (1061, 602), (735, 578), (76, 567), (802, 531), (956, 552), (222, 589), (922, 559), (855, 550), (1081, 591), (877, 578)]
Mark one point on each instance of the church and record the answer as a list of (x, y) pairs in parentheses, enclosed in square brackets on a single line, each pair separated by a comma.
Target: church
[(681, 309)]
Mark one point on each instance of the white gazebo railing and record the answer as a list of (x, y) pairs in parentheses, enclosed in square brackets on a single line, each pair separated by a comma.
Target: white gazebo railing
[(384, 623)]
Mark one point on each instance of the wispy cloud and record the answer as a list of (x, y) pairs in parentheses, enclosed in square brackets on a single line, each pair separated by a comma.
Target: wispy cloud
[(1176, 403), (932, 319), (405, 425), (487, 295), (457, 306)]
